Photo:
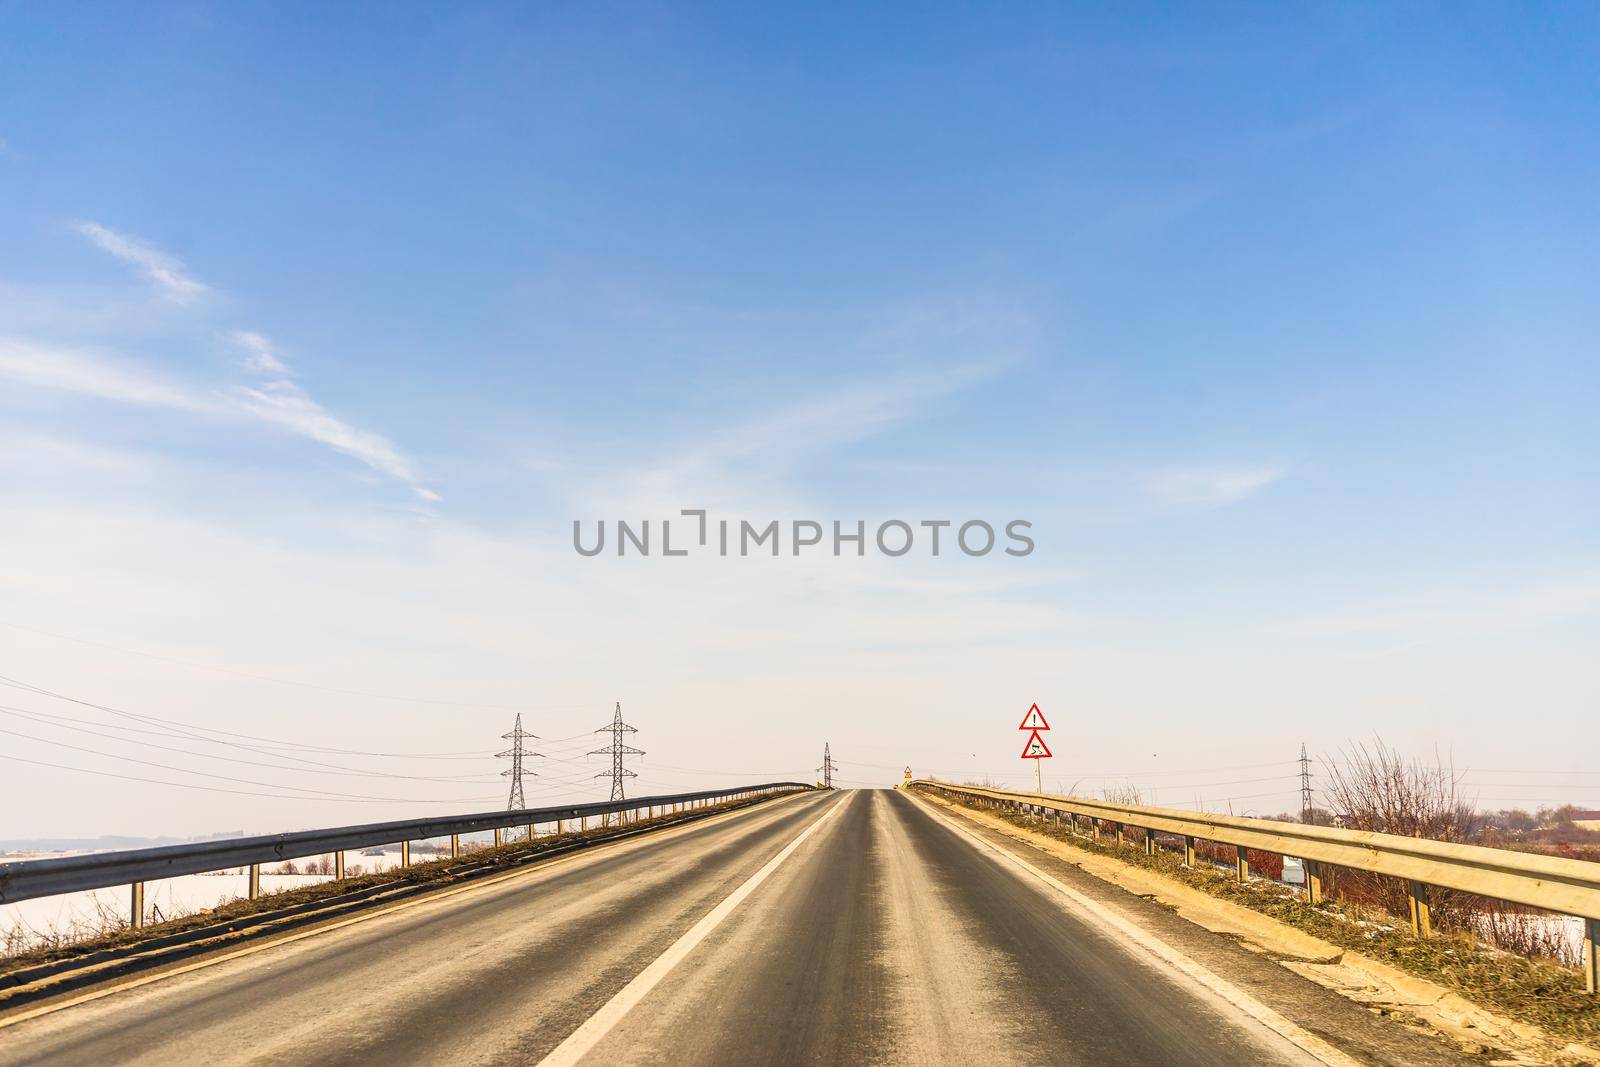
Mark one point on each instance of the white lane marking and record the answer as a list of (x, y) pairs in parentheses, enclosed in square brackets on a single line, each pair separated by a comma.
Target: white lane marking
[(535, 866), (1296, 1035), (579, 1043)]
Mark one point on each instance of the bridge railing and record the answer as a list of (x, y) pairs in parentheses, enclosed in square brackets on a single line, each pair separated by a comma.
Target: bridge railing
[(27, 879), (1552, 883)]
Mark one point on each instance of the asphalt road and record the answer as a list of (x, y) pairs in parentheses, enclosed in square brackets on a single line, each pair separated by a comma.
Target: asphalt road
[(854, 927)]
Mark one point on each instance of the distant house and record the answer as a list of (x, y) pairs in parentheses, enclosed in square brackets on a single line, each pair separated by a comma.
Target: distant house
[(1586, 820)]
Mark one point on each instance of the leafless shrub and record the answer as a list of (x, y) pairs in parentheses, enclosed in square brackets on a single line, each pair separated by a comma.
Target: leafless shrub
[(1374, 787), (1127, 793)]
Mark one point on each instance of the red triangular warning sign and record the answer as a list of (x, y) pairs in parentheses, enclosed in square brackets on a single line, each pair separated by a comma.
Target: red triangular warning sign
[(1035, 748), (1034, 720)]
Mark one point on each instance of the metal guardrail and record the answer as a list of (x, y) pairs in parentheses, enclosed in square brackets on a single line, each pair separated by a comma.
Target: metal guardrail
[(1553, 883), (27, 879)]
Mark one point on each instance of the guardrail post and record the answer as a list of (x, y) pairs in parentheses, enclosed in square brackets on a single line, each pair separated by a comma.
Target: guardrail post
[(1242, 858), (1149, 842), (533, 829), (499, 837), (254, 881), (1095, 824), (583, 824), (1119, 835), (405, 853), (1188, 852), (136, 906), (1591, 955), (338, 866), (1313, 871), (455, 846), (1421, 912)]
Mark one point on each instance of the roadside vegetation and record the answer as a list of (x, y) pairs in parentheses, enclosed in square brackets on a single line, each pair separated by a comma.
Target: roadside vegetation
[(1516, 960)]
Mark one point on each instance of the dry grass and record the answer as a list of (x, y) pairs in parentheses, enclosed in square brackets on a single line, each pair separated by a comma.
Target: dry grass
[(1530, 989)]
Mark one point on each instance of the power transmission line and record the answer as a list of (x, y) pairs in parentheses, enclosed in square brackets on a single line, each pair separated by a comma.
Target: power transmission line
[(316, 794), (616, 750), (156, 719), (515, 772), (63, 722), (828, 767), (290, 681), (218, 789)]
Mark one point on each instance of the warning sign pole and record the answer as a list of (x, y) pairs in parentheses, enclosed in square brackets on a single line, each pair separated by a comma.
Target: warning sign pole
[(1035, 749)]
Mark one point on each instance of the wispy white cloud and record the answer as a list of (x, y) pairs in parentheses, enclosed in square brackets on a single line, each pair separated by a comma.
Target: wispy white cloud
[(1209, 486), (284, 403), (261, 355), (746, 463), (90, 374), (276, 398), (166, 271), (817, 424), (280, 402), (852, 412), (1454, 615), (47, 456)]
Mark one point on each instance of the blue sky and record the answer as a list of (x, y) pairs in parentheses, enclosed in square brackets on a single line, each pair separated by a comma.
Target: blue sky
[(318, 328)]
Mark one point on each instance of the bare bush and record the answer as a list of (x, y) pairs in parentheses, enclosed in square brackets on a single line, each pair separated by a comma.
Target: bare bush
[(1376, 788)]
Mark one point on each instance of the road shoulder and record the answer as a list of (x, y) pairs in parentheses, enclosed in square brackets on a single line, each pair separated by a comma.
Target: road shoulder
[(1280, 964)]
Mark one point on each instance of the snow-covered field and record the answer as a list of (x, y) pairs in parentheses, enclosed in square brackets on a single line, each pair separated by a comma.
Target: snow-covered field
[(94, 910)]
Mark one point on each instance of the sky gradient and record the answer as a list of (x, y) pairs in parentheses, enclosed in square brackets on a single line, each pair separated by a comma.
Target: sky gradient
[(318, 329)]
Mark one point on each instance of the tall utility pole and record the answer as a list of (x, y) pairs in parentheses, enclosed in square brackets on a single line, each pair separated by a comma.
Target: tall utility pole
[(616, 750), (515, 772), (1305, 785), (827, 768)]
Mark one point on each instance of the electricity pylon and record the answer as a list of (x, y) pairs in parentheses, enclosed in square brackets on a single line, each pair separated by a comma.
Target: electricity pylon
[(515, 772), (616, 750), (827, 768), (1305, 785)]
